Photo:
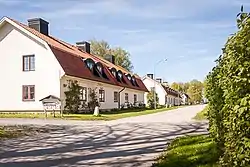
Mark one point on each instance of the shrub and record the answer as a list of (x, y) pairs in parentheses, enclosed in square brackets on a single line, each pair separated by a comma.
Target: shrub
[(73, 101), (93, 101), (150, 99), (228, 92)]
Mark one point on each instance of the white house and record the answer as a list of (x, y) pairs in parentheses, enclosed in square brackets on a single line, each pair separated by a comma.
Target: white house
[(34, 64), (184, 99), (166, 95)]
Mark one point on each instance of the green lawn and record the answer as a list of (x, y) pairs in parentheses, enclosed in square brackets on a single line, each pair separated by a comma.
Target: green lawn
[(7, 132), (202, 115), (106, 116), (189, 151)]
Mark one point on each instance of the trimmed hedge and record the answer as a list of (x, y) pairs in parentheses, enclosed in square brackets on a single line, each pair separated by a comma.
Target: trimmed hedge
[(228, 92)]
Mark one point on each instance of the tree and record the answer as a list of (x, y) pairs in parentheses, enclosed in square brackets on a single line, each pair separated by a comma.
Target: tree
[(195, 91), (122, 58), (186, 86), (178, 86), (73, 101), (93, 101), (175, 86), (150, 99), (102, 48)]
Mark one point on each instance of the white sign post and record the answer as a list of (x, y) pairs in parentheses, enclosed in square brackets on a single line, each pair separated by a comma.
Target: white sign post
[(51, 103)]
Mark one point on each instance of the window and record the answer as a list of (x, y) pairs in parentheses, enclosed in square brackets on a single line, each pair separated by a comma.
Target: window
[(83, 93), (135, 98), (134, 81), (120, 75), (129, 77), (114, 73), (115, 96), (28, 93), (29, 63), (126, 97), (101, 95), (90, 63), (99, 68)]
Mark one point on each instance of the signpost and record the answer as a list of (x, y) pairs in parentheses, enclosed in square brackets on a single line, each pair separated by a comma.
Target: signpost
[(51, 103)]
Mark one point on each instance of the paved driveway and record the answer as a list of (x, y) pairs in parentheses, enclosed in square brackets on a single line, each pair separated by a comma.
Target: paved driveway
[(126, 142)]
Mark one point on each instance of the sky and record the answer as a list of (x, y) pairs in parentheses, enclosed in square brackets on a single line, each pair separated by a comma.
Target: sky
[(188, 33)]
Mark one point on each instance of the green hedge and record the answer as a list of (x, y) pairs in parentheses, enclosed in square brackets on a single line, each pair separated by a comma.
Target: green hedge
[(228, 92)]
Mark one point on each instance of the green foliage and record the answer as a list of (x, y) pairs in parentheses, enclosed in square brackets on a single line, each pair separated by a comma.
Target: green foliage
[(182, 87), (73, 102), (93, 101), (189, 151), (195, 91), (122, 57), (228, 92), (150, 99)]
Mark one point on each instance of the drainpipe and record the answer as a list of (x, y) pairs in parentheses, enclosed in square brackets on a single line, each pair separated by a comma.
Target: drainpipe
[(119, 100)]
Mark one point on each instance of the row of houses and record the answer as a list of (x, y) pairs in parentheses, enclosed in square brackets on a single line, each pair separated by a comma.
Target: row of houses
[(167, 96), (34, 64)]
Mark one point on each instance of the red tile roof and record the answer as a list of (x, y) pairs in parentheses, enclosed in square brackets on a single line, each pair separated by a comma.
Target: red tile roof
[(70, 58), (170, 91)]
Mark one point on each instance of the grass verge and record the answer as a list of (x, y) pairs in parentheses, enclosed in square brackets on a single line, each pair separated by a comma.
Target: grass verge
[(202, 115), (106, 116), (189, 151), (7, 132)]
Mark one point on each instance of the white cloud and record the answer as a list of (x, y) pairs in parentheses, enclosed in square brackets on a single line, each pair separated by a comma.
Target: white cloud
[(169, 9)]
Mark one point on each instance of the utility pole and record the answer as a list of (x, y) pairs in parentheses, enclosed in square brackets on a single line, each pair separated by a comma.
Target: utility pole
[(154, 78)]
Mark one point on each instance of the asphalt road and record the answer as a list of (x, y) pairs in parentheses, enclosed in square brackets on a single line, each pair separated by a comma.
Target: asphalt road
[(126, 142)]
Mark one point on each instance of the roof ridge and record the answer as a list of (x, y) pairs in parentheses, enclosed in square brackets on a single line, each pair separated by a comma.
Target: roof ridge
[(70, 47)]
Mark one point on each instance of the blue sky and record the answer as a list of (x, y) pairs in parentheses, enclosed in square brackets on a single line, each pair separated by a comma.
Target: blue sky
[(189, 33)]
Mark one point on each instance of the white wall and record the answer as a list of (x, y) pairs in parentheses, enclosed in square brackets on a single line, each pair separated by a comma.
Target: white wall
[(46, 77), (109, 92), (149, 83), (173, 100)]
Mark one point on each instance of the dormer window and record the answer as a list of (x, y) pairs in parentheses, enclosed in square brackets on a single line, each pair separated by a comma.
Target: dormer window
[(120, 74), (134, 81), (129, 77), (113, 71), (99, 68), (90, 63)]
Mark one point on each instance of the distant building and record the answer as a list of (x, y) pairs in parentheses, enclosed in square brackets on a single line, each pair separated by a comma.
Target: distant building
[(166, 95), (184, 99)]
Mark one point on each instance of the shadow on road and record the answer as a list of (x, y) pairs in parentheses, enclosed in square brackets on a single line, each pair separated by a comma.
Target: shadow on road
[(130, 144)]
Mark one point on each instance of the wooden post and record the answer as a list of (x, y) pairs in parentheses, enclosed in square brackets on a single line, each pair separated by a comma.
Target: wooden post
[(54, 113), (61, 110)]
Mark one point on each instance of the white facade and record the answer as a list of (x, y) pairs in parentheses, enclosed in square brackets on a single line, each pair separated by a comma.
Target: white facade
[(161, 93), (109, 90), (184, 99), (48, 76), (164, 97), (14, 44)]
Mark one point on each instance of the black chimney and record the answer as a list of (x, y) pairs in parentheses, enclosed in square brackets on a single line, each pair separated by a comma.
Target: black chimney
[(159, 80), (150, 76), (110, 58), (84, 46), (40, 25)]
